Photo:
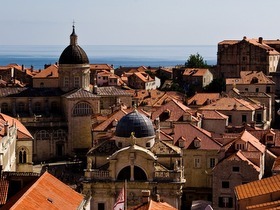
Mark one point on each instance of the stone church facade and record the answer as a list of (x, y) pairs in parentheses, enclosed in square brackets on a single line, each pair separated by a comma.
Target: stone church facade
[(59, 116), (134, 157)]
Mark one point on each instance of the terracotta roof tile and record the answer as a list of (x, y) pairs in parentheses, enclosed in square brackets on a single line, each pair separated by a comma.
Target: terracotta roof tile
[(189, 132), (276, 165), (265, 186), (194, 72), (249, 77), (49, 193), (101, 67), (274, 205), (22, 132), (143, 76), (202, 98), (153, 205), (175, 108), (213, 114), (49, 72), (109, 91), (231, 104), (11, 91), (264, 44), (115, 116), (147, 97), (80, 93), (239, 154)]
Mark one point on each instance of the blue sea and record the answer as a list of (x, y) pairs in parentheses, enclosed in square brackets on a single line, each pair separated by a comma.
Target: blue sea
[(117, 55)]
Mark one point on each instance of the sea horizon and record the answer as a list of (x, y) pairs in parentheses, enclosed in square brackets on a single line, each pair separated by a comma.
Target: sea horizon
[(117, 55)]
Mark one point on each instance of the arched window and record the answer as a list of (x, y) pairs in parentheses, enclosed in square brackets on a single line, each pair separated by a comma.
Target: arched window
[(22, 155), (4, 107), (82, 109), (59, 134), (42, 135)]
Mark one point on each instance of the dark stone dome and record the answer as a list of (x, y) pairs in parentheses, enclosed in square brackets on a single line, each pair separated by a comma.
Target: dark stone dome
[(73, 54), (135, 122)]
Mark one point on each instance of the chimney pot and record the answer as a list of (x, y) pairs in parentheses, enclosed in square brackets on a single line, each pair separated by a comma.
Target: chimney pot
[(146, 196)]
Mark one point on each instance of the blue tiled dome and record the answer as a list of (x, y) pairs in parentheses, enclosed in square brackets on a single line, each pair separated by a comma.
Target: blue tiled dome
[(135, 122)]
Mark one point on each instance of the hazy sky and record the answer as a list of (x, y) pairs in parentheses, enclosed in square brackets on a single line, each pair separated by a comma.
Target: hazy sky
[(158, 22)]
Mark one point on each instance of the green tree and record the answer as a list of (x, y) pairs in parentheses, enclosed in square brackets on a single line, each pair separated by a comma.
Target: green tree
[(196, 61), (216, 86)]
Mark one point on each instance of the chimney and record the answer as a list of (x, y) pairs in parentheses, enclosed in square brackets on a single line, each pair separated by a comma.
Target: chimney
[(95, 88), (260, 40), (22, 68), (12, 73), (146, 196), (157, 198)]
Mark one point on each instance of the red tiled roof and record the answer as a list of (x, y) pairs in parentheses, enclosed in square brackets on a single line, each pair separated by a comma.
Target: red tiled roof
[(22, 132), (190, 132), (49, 72), (148, 97), (115, 116), (265, 186), (247, 77), (175, 108), (253, 144), (153, 205), (264, 44), (101, 67), (213, 114), (80, 93), (231, 104), (276, 164), (239, 154), (143, 76), (49, 193), (194, 72), (202, 98)]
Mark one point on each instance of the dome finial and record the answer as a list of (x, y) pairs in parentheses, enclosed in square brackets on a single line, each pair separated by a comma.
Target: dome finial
[(73, 26), (73, 36), (135, 108), (133, 139)]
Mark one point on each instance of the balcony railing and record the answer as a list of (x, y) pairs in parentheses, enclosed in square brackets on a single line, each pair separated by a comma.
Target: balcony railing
[(171, 176), (42, 121)]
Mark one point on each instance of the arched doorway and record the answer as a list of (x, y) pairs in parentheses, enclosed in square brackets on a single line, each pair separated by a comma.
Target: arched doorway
[(139, 174)]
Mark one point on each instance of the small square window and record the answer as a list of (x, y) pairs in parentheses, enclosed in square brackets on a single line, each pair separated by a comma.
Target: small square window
[(235, 169), (225, 184)]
